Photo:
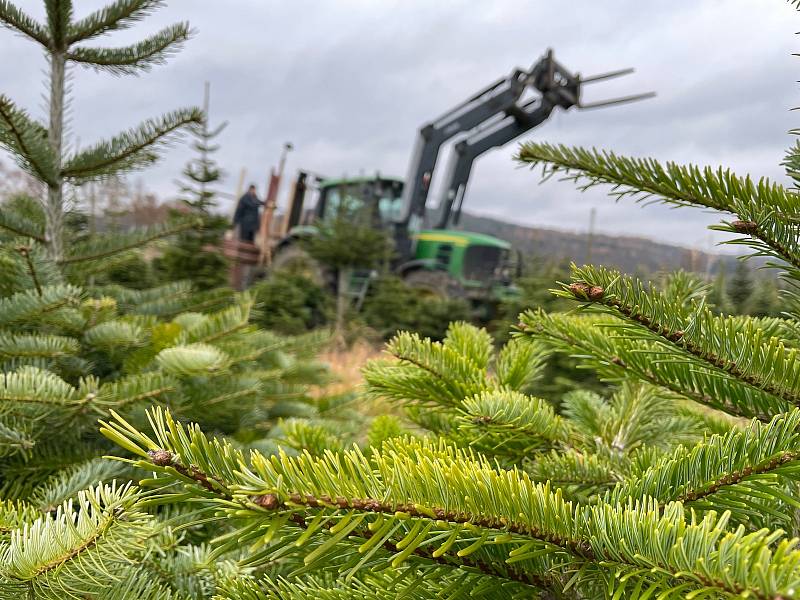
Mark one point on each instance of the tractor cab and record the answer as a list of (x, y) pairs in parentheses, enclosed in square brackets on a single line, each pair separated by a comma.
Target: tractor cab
[(377, 200)]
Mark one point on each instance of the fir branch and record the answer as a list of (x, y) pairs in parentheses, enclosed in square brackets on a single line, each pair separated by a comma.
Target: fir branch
[(29, 305), (36, 387), (617, 358), (26, 140), (122, 393), (730, 345), (437, 373), (791, 161), (744, 461), (494, 570), (80, 548), (15, 515), (36, 345), (69, 482), (765, 211), (520, 363), (192, 360), (114, 334), (15, 441), (59, 16), (115, 17), (471, 342), (573, 468), (25, 252), (293, 500), (137, 58), (167, 460), (413, 481), (130, 150), (21, 225), (13, 18), (103, 247), (510, 423), (162, 458), (219, 325)]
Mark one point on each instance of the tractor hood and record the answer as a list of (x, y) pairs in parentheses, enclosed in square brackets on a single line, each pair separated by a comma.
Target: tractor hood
[(460, 238)]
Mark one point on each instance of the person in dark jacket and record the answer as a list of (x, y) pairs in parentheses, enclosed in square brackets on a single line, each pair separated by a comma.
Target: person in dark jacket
[(246, 216)]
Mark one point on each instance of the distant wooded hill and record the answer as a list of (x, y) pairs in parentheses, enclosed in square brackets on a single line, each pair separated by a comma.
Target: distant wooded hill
[(629, 254)]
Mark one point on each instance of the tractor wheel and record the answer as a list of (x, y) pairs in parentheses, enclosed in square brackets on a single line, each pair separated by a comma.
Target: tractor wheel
[(296, 260), (437, 284)]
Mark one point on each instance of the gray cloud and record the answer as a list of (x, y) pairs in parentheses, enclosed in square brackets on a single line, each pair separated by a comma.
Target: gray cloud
[(350, 81)]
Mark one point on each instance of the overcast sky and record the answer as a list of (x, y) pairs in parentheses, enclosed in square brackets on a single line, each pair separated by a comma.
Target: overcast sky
[(349, 82)]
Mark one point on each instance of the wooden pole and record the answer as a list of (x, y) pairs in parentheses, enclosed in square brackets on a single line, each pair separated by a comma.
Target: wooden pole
[(270, 202), (289, 209), (264, 255)]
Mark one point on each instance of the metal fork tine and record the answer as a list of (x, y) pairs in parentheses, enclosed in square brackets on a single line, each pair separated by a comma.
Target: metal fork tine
[(604, 76), (622, 100)]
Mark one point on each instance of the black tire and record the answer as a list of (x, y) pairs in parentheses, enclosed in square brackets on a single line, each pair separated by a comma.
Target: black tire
[(294, 259), (439, 284)]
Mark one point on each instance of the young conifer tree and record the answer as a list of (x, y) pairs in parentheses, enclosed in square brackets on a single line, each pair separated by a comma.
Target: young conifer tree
[(72, 525), (348, 240), (196, 254), (41, 148), (683, 483)]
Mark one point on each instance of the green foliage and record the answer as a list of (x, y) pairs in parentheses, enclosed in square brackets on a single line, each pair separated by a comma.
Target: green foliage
[(393, 306), (72, 523), (534, 292), (195, 255), (134, 272), (348, 239), (740, 288), (41, 149), (74, 550), (292, 304), (561, 374), (746, 293)]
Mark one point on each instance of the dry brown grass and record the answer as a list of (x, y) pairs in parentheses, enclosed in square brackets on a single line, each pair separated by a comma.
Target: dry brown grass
[(345, 365)]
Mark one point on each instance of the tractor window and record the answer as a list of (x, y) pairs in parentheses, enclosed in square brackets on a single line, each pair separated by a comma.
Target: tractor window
[(378, 201), (482, 262), (342, 201), (389, 209), (390, 201)]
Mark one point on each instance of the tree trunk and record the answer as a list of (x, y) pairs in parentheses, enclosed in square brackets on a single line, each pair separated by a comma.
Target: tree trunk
[(54, 206), (342, 286)]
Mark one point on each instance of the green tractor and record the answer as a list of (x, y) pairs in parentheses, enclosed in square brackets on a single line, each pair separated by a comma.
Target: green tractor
[(440, 262), (429, 253)]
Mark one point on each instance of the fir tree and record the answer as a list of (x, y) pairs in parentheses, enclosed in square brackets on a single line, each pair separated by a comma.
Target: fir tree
[(41, 149), (72, 523), (680, 483), (196, 254), (740, 288), (718, 295), (346, 241)]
